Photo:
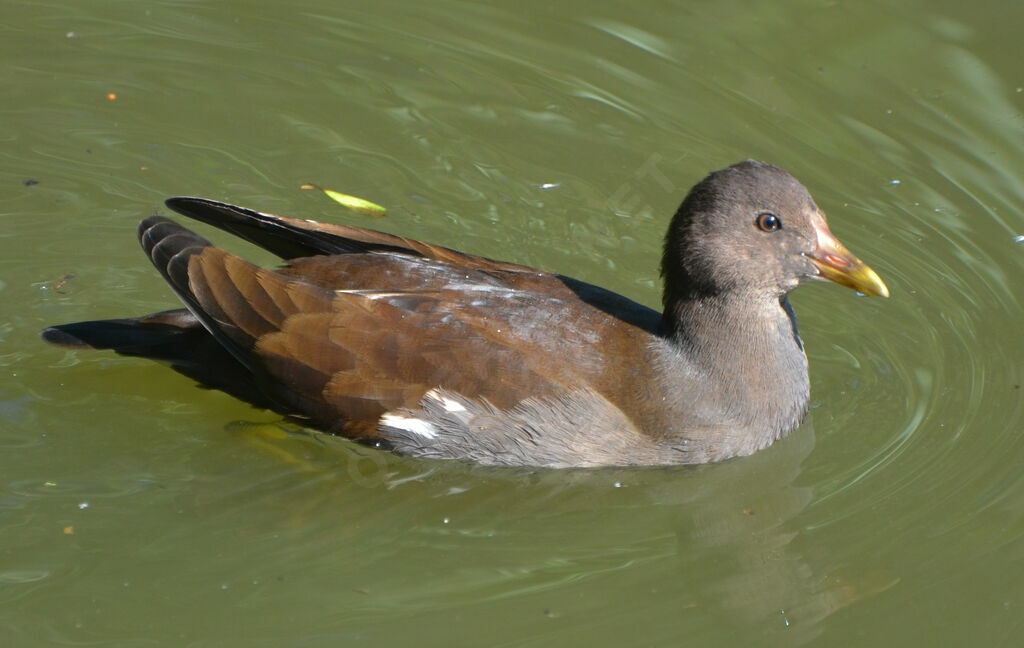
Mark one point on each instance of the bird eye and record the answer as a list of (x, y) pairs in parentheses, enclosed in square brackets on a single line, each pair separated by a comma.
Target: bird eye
[(769, 222)]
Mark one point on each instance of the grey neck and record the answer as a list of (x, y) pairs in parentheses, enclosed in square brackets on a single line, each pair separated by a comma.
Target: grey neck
[(733, 372)]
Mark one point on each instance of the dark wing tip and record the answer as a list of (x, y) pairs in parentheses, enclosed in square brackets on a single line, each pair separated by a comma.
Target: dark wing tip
[(196, 207), (59, 336), (174, 201), (287, 238), (213, 212)]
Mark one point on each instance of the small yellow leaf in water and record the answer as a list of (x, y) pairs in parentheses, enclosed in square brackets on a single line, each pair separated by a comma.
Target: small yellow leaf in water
[(359, 205)]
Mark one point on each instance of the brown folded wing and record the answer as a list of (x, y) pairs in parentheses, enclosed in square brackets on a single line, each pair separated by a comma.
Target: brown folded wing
[(325, 341)]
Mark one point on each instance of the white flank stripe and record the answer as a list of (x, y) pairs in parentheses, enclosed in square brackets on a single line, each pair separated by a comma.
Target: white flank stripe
[(448, 404), (416, 426)]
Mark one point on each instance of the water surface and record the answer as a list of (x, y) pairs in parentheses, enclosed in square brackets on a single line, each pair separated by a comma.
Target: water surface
[(136, 509)]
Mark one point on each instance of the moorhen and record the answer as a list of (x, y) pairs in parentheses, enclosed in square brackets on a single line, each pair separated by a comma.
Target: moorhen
[(434, 353)]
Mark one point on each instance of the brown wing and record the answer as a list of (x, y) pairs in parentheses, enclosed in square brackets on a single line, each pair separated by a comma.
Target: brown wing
[(342, 357), (305, 243)]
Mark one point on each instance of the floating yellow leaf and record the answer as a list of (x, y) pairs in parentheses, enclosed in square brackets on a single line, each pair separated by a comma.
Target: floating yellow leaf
[(359, 205)]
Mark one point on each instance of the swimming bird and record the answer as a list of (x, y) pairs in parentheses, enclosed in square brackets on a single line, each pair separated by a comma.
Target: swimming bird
[(434, 353)]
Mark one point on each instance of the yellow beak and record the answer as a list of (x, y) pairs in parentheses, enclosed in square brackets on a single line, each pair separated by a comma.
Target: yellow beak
[(835, 263)]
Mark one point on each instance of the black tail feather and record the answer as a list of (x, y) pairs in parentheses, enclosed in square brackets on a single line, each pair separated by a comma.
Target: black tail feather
[(175, 337)]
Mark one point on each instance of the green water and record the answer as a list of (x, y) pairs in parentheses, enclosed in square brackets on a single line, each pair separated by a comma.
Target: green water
[(138, 510)]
